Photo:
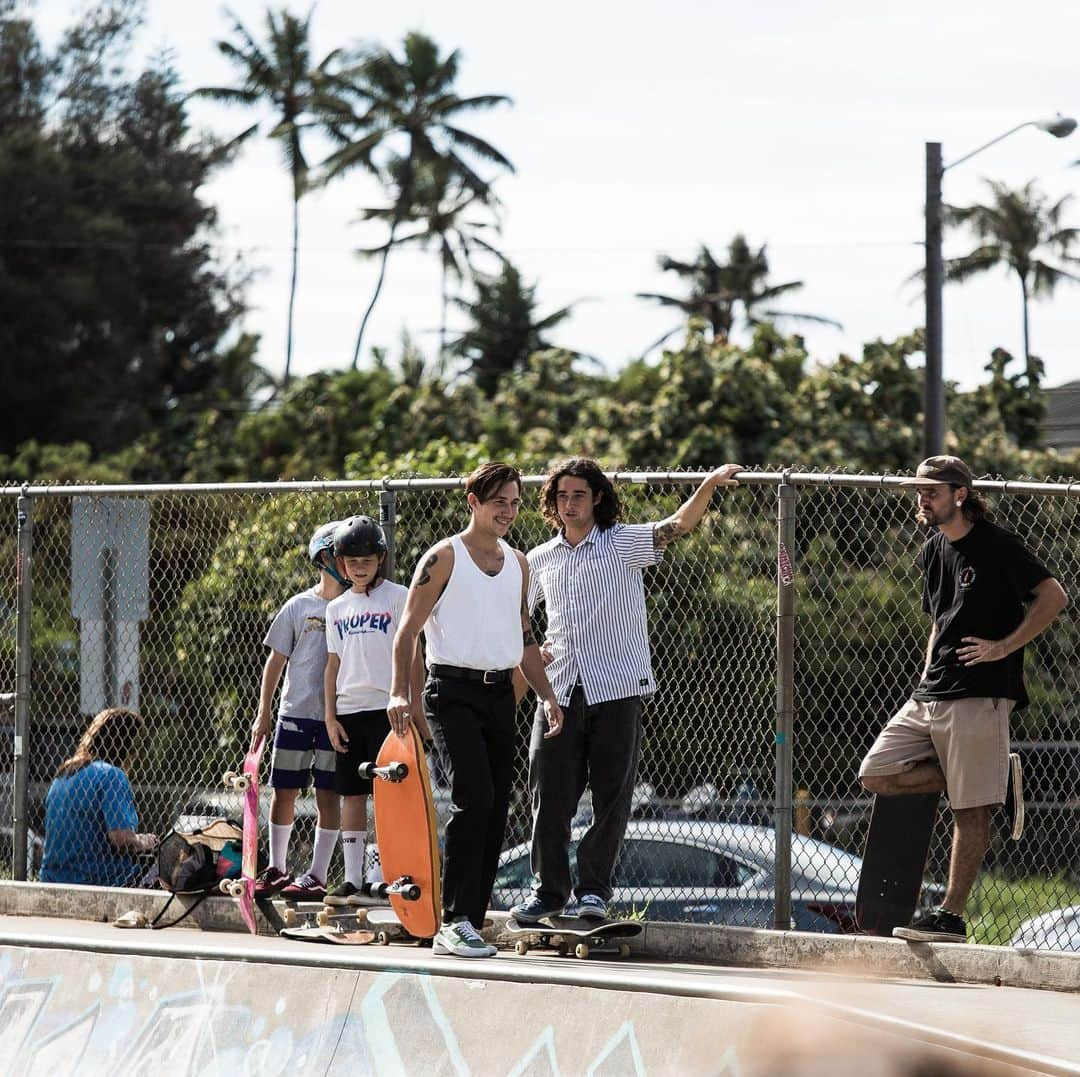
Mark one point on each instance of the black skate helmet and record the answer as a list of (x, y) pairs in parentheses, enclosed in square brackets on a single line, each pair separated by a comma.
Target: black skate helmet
[(359, 536)]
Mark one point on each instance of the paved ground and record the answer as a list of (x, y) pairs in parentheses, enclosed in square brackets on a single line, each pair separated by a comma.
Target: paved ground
[(121, 1000)]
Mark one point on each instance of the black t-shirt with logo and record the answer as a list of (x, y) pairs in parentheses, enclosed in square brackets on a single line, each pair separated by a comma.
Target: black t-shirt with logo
[(976, 587)]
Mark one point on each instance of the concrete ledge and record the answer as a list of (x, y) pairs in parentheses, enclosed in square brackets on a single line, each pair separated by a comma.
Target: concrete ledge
[(863, 955), (696, 943)]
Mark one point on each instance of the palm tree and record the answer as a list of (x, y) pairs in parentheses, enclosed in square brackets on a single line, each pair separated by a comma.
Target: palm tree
[(278, 72), (505, 329), (1020, 230), (444, 212), (406, 110), (719, 289)]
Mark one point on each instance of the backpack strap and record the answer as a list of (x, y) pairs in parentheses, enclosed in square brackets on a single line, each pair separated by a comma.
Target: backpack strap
[(199, 899)]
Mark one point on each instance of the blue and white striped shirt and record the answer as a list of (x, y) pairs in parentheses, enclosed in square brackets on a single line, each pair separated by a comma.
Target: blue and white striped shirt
[(594, 594)]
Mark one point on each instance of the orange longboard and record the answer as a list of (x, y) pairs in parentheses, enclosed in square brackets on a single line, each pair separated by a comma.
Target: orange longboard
[(408, 839)]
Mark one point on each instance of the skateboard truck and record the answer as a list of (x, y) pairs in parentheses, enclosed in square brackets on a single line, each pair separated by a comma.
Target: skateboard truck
[(404, 887), (392, 772), (239, 783)]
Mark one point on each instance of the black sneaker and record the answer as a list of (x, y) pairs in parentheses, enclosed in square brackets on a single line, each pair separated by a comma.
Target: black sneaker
[(936, 925), (1014, 797), (347, 894)]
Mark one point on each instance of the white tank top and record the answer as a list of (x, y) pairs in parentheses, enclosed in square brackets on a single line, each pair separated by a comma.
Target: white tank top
[(476, 624)]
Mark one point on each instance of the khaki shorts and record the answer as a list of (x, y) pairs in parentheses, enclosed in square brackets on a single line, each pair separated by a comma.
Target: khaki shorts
[(968, 738)]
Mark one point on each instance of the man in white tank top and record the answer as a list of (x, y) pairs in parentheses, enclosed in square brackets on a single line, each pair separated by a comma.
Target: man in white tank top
[(468, 595)]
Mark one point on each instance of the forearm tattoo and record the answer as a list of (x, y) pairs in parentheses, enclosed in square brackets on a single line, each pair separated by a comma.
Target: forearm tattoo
[(425, 574), (528, 638)]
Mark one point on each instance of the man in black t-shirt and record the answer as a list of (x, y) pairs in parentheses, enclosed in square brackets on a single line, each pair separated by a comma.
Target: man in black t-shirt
[(987, 596)]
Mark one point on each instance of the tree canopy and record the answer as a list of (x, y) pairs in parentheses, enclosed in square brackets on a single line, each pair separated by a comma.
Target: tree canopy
[(115, 304)]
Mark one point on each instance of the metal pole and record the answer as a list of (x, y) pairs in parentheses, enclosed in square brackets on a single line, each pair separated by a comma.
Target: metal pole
[(785, 698), (23, 638), (387, 520), (934, 387)]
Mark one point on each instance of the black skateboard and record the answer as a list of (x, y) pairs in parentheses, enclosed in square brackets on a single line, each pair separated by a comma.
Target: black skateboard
[(894, 861), (566, 934)]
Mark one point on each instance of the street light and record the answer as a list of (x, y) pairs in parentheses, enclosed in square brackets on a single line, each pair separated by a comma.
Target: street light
[(934, 388)]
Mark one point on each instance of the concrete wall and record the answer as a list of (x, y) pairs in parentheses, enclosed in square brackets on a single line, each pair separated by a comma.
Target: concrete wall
[(70, 1011)]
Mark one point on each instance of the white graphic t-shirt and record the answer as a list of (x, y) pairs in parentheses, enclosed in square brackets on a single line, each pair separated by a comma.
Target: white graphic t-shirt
[(360, 631)]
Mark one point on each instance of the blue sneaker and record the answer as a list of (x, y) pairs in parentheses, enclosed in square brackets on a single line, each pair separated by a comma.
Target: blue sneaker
[(589, 907), (534, 908)]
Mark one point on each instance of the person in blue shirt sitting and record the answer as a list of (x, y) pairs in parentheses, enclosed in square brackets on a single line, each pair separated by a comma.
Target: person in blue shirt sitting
[(91, 826)]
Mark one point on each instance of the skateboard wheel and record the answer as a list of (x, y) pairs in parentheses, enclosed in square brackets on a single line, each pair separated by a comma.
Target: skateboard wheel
[(290, 917), (521, 947), (624, 949), (383, 938), (225, 886), (228, 778), (581, 950), (366, 770), (411, 892), (323, 918), (397, 772), (241, 783)]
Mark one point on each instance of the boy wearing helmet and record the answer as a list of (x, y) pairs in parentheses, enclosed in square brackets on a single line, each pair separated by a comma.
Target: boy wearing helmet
[(297, 639), (360, 627)]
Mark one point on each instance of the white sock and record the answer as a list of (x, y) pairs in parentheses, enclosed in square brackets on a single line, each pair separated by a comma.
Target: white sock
[(280, 833), (373, 864), (352, 846), (325, 840)]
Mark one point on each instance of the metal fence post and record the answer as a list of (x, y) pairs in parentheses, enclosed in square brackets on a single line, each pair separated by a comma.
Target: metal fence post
[(23, 640), (785, 697), (387, 520)]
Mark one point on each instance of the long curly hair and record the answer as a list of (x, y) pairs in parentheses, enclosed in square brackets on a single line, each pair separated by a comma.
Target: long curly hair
[(110, 737), (608, 509)]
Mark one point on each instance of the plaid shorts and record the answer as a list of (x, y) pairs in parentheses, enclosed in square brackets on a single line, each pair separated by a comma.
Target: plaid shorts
[(301, 746)]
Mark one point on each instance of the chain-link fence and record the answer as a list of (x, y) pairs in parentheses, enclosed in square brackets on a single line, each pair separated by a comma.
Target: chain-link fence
[(158, 599)]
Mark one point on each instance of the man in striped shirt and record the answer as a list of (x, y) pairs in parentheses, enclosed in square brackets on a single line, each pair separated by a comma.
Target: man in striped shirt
[(589, 578)]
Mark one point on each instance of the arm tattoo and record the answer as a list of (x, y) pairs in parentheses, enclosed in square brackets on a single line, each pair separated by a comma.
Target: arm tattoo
[(425, 575), (528, 638), (665, 532)]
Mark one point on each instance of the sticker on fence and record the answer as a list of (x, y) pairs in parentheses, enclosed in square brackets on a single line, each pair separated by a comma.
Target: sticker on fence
[(787, 573)]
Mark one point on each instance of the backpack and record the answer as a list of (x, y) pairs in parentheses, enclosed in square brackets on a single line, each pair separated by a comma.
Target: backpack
[(195, 862)]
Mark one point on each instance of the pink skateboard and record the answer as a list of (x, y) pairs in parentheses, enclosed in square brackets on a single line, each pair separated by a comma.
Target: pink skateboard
[(243, 889)]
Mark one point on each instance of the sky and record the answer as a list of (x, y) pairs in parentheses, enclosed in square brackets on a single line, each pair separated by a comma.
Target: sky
[(646, 128)]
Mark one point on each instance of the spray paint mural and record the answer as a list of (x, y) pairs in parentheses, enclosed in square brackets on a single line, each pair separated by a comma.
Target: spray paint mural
[(64, 1011)]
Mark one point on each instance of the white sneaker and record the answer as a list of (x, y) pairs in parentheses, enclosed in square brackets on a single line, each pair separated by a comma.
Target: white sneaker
[(461, 939)]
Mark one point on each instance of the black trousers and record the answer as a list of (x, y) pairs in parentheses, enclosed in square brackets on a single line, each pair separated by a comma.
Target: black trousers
[(599, 747), (473, 727)]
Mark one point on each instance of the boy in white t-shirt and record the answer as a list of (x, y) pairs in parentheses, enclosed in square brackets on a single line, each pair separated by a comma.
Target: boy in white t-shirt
[(360, 627)]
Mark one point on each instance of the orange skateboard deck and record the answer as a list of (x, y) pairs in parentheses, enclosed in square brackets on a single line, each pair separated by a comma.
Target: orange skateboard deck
[(243, 889), (408, 838)]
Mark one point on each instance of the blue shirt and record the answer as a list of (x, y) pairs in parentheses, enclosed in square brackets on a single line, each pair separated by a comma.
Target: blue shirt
[(594, 594), (80, 810)]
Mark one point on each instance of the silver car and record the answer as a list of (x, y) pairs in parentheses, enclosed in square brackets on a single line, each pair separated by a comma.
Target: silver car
[(713, 873)]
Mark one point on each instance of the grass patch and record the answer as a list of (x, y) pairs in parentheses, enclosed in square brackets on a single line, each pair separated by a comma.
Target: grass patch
[(998, 906)]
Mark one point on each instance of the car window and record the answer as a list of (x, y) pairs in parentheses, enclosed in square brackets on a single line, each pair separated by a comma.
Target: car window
[(515, 874), (660, 864)]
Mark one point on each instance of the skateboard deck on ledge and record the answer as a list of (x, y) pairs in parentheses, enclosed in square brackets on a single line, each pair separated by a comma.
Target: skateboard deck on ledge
[(330, 934), (408, 839), (567, 934), (243, 889), (894, 861)]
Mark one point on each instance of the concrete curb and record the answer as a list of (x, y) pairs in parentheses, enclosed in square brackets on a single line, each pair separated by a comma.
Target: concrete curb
[(697, 943)]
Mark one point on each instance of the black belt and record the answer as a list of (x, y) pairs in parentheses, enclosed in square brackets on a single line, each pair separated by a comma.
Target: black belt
[(485, 676)]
